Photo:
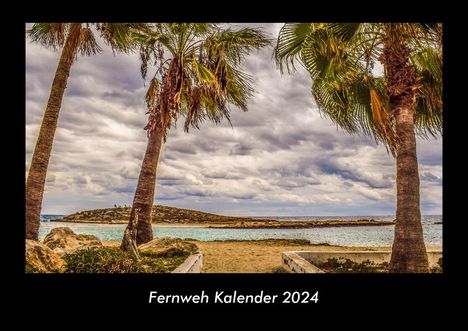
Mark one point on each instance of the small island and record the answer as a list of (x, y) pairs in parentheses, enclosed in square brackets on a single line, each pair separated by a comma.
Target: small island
[(172, 216)]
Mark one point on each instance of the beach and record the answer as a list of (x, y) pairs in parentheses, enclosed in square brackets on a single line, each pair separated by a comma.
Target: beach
[(256, 256)]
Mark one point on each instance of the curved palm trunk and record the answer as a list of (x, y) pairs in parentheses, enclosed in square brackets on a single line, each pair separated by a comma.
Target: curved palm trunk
[(40, 160), (144, 194), (408, 250)]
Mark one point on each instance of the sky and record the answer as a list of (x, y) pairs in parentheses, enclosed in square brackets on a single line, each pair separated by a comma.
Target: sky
[(279, 158)]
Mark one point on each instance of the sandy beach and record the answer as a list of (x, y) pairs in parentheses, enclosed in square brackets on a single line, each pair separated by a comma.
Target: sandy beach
[(254, 256)]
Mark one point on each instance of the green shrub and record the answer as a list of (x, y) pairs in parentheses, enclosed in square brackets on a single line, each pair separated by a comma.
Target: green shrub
[(103, 260), (114, 260), (335, 265), (346, 265), (155, 263)]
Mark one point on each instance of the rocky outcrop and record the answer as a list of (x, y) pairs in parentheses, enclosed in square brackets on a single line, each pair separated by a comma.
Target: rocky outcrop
[(160, 214), (41, 259), (172, 215), (63, 241), (168, 247)]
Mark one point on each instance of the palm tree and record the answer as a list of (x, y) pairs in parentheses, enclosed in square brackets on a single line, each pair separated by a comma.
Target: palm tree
[(198, 76), (391, 106), (73, 38)]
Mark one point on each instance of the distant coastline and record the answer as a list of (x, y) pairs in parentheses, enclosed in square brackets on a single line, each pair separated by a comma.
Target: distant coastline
[(172, 216)]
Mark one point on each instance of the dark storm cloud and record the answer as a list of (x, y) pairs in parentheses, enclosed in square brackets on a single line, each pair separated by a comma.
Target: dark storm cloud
[(280, 157), (295, 182), (352, 172), (240, 148), (194, 193), (169, 198), (283, 140), (171, 182), (126, 189)]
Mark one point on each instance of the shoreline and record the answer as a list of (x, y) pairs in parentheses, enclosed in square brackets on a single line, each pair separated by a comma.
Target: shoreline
[(279, 241), (260, 224)]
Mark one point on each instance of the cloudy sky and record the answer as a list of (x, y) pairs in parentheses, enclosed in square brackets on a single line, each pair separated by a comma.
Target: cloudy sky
[(279, 158)]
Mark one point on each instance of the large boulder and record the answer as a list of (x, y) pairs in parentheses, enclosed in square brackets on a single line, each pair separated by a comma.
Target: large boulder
[(168, 247), (64, 241), (41, 259)]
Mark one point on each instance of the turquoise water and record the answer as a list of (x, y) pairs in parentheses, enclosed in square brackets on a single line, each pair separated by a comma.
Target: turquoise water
[(343, 236)]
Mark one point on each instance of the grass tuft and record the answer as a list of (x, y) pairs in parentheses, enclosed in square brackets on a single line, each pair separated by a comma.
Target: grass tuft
[(114, 260)]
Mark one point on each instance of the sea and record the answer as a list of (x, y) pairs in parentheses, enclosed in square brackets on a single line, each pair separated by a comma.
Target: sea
[(341, 236)]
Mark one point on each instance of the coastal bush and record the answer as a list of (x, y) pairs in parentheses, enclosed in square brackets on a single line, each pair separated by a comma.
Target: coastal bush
[(348, 266), (114, 260), (335, 265)]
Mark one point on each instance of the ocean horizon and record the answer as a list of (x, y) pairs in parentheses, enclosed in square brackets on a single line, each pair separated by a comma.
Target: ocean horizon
[(425, 218)]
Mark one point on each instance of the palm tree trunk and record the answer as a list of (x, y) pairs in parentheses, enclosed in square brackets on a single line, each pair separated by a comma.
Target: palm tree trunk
[(40, 159), (408, 250), (144, 194)]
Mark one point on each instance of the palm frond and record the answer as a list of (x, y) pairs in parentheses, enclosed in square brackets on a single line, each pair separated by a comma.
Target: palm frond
[(234, 45), (289, 44), (120, 36), (340, 57), (357, 103), (345, 31), (152, 95), (433, 32), (221, 54), (381, 120), (323, 55), (198, 71), (204, 75), (202, 29), (428, 115), (239, 87), (87, 42), (49, 34)]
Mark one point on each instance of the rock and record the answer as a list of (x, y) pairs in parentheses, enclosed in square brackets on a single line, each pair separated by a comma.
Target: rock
[(41, 259), (63, 241), (168, 247)]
